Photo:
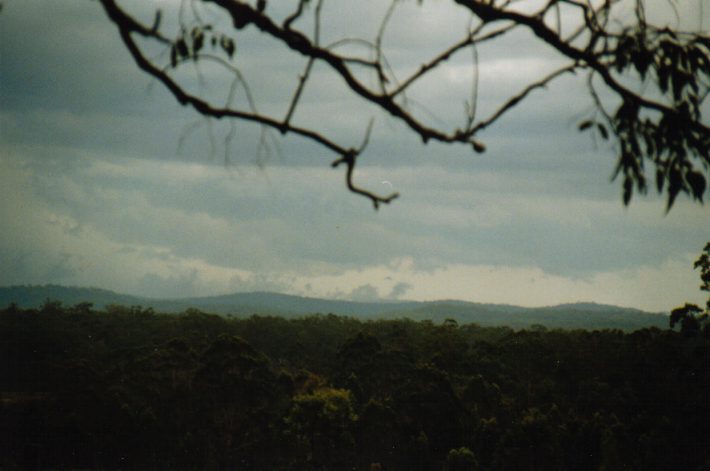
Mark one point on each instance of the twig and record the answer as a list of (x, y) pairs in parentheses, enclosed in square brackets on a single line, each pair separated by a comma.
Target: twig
[(510, 103)]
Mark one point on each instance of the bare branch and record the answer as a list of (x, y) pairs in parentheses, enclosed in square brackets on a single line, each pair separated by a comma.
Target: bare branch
[(382, 79), (243, 14), (514, 100), (238, 79), (128, 25), (349, 159), (608, 49), (306, 73), (295, 15), (297, 94), (445, 55), (489, 13)]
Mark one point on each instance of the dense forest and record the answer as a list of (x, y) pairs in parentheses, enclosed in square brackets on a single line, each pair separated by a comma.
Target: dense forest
[(128, 388)]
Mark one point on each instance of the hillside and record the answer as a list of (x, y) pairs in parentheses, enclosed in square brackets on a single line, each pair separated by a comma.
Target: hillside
[(566, 316)]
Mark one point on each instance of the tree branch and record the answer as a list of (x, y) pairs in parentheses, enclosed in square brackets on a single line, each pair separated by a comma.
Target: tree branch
[(672, 136), (128, 25), (514, 100), (489, 13)]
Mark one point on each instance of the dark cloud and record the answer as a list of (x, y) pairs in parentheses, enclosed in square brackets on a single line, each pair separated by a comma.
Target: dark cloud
[(103, 169), (399, 290), (364, 293), (171, 286)]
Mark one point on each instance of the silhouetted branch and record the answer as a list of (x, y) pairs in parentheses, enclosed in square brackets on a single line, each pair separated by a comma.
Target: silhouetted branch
[(349, 159), (489, 13), (306, 73), (514, 100), (295, 15), (128, 25), (663, 126)]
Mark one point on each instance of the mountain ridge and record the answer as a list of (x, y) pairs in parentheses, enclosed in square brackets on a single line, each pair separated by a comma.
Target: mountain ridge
[(587, 315)]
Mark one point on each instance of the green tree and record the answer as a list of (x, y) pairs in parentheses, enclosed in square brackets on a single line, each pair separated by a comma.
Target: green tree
[(692, 318), (321, 424), (647, 82), (239, 397), (531, 444), (703, 262), (461, 459)]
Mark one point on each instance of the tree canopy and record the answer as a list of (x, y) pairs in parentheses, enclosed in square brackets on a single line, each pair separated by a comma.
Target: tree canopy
[(691, 317), (127, 388), (647, 79)]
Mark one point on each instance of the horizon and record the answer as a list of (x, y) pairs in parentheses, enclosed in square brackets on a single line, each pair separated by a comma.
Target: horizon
[(345, 300)]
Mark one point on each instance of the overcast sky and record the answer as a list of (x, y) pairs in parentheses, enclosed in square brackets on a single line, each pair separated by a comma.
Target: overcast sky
[(107, 182)]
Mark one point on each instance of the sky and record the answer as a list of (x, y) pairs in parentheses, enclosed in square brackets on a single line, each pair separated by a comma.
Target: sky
[(108, 182)]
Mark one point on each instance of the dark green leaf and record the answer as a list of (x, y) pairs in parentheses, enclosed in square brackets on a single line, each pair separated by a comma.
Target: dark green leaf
[(585, 125), (181, 47), (660, 179), (663, 74), (478, 147), (641, 182), (156, 21), (628, 189), (621, 62), (227, 45), (197, 42), (678, 80), (642, 60), (602, 130), (697, 184), (675, 184)]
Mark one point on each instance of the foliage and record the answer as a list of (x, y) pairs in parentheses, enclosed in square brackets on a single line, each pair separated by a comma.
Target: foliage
[(703, 262), (461, 459), (692, 318), (321, 422), (647, 81), (126, 388)]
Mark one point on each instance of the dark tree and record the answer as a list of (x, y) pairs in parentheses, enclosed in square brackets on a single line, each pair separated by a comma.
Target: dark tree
[(648, 82), (692, 318)]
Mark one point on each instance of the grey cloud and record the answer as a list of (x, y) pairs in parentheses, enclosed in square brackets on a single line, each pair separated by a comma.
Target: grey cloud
[(364, 293), (87, 128), (399, 290), (47, 48), (263, 282), (173, 286), (37, 265), (241, 223)]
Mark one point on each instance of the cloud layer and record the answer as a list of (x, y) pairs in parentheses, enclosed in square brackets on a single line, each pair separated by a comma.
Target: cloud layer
[(110, 183)]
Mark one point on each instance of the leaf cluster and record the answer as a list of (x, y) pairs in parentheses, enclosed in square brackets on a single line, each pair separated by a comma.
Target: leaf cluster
[(670, 136), (187, 46), (693, 319)]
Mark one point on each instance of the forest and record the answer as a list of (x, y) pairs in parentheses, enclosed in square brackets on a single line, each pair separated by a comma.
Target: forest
[(129, 388)]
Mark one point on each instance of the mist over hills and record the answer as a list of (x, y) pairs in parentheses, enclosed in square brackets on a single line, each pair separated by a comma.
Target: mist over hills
[(565, 316)]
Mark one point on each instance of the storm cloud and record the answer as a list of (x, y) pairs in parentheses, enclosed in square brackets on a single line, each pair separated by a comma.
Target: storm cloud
[(108, 182)]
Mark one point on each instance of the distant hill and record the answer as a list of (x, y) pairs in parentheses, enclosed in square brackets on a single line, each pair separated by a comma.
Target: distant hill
[(566, 316), (34, 296), (236, 304)]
